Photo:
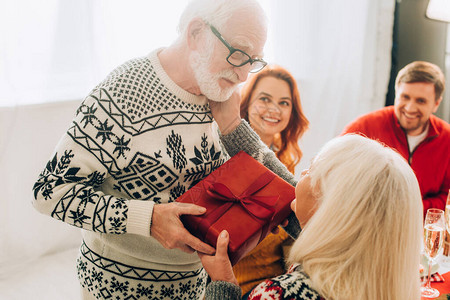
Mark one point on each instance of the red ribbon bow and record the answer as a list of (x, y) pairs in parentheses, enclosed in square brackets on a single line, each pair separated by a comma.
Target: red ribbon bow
[(260, 207)]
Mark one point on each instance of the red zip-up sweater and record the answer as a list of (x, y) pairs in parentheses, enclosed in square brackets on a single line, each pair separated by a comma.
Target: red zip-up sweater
[(430, 160)]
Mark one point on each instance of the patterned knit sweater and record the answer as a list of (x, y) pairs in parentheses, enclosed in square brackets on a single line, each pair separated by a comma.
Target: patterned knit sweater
[(136, 140), (295, 284)]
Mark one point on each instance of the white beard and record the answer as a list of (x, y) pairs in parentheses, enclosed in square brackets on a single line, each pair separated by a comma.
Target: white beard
[(208, 82)]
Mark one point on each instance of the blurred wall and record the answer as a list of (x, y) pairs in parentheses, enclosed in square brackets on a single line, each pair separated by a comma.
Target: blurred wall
[(28, 135)]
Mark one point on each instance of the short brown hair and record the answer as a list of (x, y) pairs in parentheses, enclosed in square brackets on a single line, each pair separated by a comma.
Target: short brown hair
[(422, 71)]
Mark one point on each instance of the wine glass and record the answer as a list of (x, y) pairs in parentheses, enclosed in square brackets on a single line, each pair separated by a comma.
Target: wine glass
[(434, 227), (446, 252)]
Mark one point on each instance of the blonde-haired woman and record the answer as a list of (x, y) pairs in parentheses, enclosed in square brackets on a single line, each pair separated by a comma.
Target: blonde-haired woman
[(360, 209)]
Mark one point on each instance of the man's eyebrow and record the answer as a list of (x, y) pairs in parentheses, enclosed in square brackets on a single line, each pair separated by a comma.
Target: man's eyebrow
[(246, 46), (242, 43)]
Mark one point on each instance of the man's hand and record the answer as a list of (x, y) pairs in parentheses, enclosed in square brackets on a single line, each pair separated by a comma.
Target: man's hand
[(219, 266), (168, 229), (227, 114)]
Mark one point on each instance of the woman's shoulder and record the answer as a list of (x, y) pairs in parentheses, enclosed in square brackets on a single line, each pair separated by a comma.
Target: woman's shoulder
[(295, 284)]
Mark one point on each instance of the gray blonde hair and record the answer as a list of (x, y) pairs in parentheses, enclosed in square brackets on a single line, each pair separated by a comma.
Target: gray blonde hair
[(216, 12), (364, 240)]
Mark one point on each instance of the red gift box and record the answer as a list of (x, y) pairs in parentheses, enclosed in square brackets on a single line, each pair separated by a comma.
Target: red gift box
[(243, 197)]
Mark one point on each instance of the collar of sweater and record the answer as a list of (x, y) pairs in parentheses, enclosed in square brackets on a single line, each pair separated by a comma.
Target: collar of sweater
[(170, 84)]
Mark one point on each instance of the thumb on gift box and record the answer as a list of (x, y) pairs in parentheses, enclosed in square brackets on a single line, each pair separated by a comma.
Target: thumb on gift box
[(222, 244)]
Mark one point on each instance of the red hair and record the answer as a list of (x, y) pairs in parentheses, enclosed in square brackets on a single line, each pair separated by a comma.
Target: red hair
[(286, 142)]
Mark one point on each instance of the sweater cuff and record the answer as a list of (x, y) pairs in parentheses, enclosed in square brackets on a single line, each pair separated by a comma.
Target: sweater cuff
[(140, 217), (222, 290), (244, 138), (293, 227)]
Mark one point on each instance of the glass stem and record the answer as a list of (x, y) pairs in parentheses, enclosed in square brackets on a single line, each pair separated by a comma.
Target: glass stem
[(430, 263)]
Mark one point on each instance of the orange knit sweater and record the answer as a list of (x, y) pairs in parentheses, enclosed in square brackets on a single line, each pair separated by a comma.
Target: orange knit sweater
[(263, 262)]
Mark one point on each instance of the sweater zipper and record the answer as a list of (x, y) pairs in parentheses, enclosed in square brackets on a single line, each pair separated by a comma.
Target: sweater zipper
[(411, 153)]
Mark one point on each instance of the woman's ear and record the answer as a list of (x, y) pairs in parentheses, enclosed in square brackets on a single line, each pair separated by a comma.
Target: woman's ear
[(194, 33)]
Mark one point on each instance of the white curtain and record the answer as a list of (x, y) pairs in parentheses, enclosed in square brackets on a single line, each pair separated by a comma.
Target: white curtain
[(340, 52), (56, 50)]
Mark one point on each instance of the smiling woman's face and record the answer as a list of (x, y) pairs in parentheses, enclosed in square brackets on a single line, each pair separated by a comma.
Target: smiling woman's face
[(270, 107), (304, 204)]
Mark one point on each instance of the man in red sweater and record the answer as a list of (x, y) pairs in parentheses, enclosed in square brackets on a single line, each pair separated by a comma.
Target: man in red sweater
[(410, 127)]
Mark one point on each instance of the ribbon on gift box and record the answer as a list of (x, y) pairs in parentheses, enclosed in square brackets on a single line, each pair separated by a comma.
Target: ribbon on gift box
[(259, 207)]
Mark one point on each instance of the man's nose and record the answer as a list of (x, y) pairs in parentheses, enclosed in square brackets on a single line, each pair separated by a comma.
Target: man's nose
[(410, 106), (242, 72)]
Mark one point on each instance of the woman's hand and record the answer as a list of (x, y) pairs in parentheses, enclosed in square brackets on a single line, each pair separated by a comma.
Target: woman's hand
[(218, 266), (227, 113)]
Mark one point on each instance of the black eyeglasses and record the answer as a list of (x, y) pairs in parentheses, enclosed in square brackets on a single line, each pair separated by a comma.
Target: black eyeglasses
[(237, 57)]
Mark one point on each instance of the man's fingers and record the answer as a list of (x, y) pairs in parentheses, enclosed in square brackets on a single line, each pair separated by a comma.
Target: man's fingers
[(198, 245), (190, 209), (187, 249)]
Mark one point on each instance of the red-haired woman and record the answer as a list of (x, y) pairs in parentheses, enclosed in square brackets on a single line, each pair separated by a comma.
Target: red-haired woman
[(271, 104)]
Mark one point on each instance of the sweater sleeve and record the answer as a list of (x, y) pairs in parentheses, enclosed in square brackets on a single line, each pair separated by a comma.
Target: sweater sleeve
[(219, 290), (353, 127), (91, 150), (439, 199), (243, 138)]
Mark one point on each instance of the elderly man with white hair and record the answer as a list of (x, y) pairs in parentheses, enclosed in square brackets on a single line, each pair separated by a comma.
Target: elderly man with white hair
[(143, 137)]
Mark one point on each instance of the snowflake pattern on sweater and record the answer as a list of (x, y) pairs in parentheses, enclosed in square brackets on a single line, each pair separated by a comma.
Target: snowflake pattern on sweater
[(136, 138), (293, 285), (107, 279), (130, 103)]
